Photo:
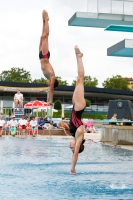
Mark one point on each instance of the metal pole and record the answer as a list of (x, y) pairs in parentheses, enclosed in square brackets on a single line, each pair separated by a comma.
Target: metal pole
[(48, 95)]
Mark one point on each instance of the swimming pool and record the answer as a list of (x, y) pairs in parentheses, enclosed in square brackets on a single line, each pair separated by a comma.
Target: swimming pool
[(38, 169)]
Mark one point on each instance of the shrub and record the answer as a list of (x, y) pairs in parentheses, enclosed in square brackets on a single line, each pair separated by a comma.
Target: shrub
[(88, 102), (57, 105)]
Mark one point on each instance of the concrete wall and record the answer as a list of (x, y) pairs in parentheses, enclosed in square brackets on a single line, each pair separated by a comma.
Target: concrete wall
[(117, 134)]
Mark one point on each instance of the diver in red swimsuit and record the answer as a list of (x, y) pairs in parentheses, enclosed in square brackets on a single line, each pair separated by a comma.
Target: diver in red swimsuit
[(44, 56), (76, 125)]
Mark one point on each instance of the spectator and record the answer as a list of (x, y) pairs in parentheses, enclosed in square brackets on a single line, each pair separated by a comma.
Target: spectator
[(22, 123), (13, 124), (92, 129), (18, 98), (33, 125), (2, 124), (64, 126), (41, 123), (86, 128), (89, 123), (114, 117)]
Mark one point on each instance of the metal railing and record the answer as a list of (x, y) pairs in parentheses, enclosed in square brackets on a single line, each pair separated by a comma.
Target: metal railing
[(124, 7)]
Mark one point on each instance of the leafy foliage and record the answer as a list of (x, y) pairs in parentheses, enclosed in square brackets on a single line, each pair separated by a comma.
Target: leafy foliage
[(57, 104), (88, 81), (44, 81), (16, 75), (88, 102), (61, 82), (41, 80), (116, 82)]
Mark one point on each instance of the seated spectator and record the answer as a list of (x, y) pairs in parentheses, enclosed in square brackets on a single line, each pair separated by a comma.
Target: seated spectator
[(64, 126), (86, 129), (124, 120), (89, 123), (13, 124), (48, 126), (2, 124), (22, 123), (114, 117), (92, 129), (41, 123), (33, 125)]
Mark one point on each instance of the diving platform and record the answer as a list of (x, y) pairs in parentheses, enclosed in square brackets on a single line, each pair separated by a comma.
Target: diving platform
[(99, 20), (122, 49), (121, 28)]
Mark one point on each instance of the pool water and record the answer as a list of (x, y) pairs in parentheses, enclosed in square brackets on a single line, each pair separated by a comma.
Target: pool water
[(38, 169)]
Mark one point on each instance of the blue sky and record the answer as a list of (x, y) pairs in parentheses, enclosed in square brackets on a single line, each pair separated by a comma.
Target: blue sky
[(21, 26)]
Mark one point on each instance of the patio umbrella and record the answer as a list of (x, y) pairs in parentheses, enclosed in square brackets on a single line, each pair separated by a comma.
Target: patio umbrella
[(37, 104)]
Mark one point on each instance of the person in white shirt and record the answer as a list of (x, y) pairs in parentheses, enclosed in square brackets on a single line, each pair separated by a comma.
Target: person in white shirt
[(13, 124), (33, 124), (92, 129), (22, 124), (18, 98), (2, 124)]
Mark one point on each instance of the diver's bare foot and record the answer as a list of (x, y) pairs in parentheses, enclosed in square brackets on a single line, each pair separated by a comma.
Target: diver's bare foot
[(78, 52), (45, 15)]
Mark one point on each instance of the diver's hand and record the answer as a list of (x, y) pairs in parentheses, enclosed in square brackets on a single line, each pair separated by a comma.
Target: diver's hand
[(73, 171)]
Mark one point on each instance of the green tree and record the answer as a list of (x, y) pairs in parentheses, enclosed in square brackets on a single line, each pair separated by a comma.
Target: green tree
[(116, 82), (41, 80), (88, 81), (88, 102), (44, 81), (61, 82), (57, 104), (16, 75)]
